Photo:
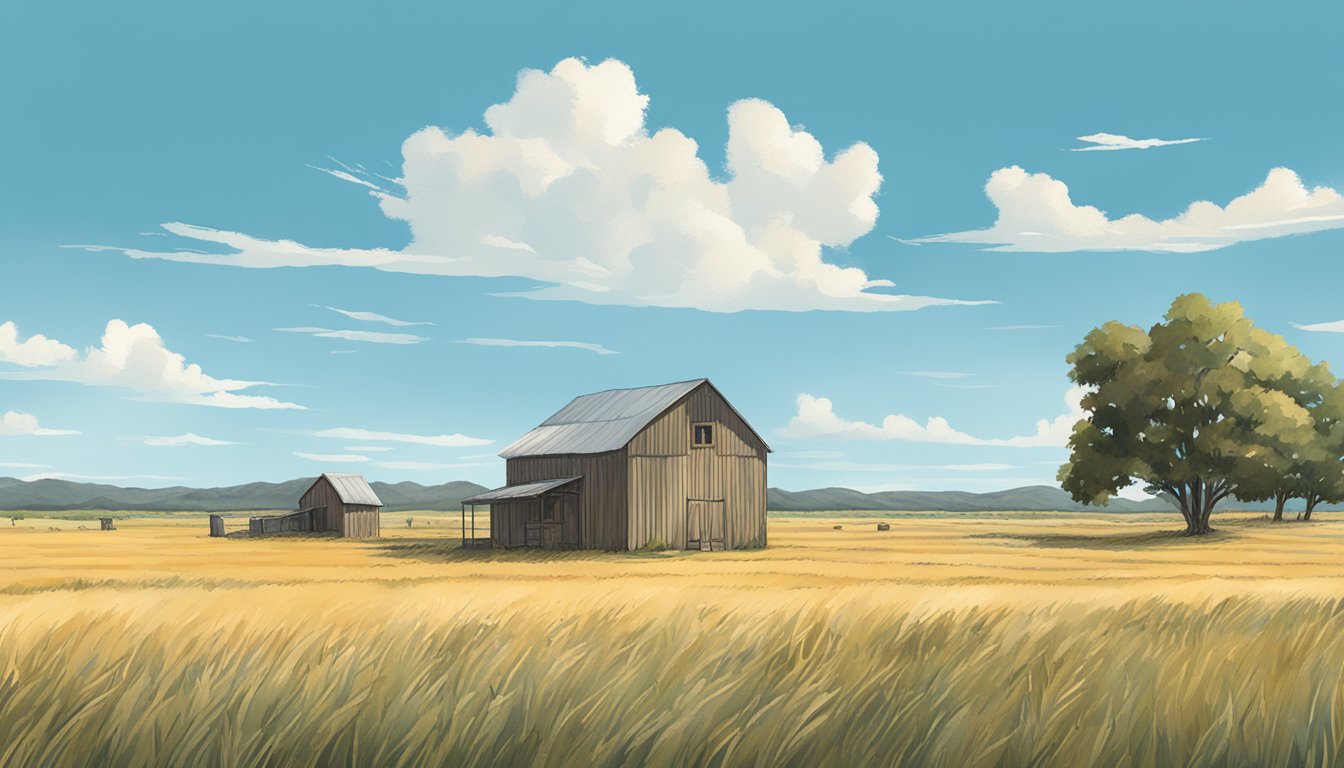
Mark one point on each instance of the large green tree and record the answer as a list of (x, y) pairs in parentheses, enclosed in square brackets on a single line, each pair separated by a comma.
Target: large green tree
[(1287, 463), (1320, 477), (1187, 407)]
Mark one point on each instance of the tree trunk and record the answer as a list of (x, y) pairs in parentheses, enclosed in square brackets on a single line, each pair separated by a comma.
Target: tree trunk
[(1311, 505), (1279, 501), (1198, 508)]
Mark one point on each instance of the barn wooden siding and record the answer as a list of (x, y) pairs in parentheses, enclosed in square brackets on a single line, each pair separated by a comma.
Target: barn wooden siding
[(506, 521), (361, 521), (666, 472), (331, 514), (327, 516), (602, 504), (509, 522)]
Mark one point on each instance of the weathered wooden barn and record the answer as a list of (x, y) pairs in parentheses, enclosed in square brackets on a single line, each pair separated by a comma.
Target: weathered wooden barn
[(673, 465), (344, 504)]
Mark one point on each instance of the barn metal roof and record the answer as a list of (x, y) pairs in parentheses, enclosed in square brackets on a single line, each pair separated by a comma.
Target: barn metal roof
[(521, 491), (600, 422), (353, 489)]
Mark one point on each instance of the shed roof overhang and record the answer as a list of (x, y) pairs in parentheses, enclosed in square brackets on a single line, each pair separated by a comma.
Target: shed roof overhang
[(522, 491)]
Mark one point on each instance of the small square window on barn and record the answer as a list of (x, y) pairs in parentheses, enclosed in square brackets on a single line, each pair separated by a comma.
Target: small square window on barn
[(702, 435)]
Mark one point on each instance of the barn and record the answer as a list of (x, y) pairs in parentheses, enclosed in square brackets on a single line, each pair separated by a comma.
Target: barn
[(344, 504), (674, 465)]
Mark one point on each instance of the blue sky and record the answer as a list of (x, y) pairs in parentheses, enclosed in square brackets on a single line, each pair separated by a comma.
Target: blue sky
[(279, 132)]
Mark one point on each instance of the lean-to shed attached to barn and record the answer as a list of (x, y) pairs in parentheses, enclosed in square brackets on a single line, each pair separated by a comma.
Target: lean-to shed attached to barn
[(673, 465)]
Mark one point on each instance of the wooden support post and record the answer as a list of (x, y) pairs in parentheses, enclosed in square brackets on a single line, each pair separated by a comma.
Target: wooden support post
[(216, 525)]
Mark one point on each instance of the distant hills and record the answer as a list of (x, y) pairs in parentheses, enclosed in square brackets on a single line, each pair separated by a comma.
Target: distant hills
[(54, 495), (1042, 498), (58, 495), (1031, 498)]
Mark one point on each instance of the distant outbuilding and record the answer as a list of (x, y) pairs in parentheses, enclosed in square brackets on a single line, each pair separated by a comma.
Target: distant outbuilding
[(344, 504), (671, 466)]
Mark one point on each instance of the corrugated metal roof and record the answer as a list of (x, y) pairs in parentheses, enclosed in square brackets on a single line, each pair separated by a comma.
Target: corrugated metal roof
[(600, 422), (518, 492), (353, 489)]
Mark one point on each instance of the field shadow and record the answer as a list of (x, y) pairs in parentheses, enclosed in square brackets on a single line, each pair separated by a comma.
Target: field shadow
[(1117, 541)]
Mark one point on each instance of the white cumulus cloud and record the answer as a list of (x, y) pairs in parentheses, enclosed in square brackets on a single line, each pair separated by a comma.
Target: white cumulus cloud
[(133, 357), (1104, 142), (35, 351), (443, 441), (568, 186), (14, 423), (816, 418), (1036, 214)]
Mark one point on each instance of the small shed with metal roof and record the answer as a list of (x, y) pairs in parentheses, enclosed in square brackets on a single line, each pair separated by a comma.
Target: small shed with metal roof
[(344, 504), (673, 465)]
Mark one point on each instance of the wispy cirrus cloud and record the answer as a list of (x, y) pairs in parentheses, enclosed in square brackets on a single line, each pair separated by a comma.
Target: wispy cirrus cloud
[(936, 374), (332, 458), (74, 476), (569, 187), (132, 358), (816, 418), (583, 345), (455, 440), (1335, 326), (369, 337), (1037, 215), (1105, 142), (854, 466), (235, 339), (426, 466), (186, 439), (371, 317)]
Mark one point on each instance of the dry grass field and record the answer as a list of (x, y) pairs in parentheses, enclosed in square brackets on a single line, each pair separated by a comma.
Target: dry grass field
[(950, 641)]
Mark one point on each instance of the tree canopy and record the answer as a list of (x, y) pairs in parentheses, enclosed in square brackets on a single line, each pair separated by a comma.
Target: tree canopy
[(1201, 407)]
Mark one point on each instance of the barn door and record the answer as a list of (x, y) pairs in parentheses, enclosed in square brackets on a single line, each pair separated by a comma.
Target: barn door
[(704, 525)]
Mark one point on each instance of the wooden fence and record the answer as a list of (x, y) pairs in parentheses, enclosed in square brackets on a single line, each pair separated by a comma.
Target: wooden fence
[(293, 522)]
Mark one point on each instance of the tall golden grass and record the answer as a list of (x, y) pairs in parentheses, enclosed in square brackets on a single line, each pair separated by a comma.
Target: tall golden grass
[(409, 654)]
